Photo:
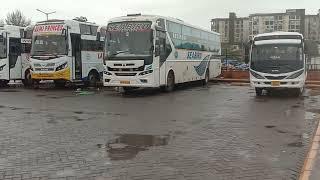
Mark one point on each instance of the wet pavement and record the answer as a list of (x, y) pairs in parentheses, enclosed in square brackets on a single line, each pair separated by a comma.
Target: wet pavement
[(216, 132)]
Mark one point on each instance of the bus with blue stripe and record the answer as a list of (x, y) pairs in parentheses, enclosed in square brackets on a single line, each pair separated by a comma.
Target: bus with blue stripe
[(143, 51)]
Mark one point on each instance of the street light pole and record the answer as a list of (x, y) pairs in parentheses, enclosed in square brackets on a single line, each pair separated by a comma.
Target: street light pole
[(46, 13)]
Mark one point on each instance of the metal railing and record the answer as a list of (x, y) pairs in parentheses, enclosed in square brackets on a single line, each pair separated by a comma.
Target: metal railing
[(313, 67)]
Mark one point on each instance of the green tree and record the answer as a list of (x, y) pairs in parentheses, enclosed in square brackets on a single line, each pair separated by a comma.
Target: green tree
[(17, 18)]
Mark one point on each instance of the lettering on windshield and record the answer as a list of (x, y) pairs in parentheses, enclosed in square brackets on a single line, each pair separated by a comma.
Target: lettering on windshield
[(48, 28), (129, 27)]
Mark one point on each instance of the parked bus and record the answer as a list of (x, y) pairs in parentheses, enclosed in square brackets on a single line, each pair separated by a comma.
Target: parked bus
[(15, 43), (277, 61), (66, 51), (156, 51)]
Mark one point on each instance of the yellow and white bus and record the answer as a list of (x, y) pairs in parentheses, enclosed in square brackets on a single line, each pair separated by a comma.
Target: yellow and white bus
[(66, 51)]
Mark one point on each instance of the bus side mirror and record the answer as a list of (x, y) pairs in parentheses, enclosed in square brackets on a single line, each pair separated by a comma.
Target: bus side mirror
[(98, 36), (64, 33), (157, 48)]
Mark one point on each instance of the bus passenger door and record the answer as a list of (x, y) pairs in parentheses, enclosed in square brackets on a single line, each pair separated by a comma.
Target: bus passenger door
[(76, 56), (162, 47), (15, 63)]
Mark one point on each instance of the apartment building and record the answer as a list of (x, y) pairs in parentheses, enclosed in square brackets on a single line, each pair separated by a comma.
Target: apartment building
[(312, 27), (237, 30), (293, 20), (233, 30)]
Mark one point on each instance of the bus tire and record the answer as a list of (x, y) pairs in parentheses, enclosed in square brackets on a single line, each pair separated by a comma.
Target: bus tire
[(298, 92), (4, 83), (93, 79), (170, 82), (27, 81), (60, 83), (259, 91), (205, 81)]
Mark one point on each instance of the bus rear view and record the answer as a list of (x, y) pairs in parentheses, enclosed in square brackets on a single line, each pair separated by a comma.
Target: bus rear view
[(277, 61)]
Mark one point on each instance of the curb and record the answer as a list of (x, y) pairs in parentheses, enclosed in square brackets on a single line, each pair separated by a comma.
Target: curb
[(312, 155)]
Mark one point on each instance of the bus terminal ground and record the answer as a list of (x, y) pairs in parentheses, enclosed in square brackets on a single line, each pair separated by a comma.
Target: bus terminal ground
[(216, 132)]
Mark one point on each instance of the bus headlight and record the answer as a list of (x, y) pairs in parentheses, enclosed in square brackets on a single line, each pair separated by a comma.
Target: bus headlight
[(146, 72), (1, 67), (61, 67), (107, 73), (256, 75), (295, 75)]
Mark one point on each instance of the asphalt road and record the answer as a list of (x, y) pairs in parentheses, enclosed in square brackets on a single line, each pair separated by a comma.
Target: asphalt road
[(215, 132)]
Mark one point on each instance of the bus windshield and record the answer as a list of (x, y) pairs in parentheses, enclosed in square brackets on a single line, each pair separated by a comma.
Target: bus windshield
[(3, 49), (275, 58), (49, 45), (131, 40)]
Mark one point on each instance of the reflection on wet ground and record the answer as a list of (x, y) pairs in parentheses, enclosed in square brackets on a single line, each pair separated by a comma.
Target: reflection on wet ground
[(127, 146)]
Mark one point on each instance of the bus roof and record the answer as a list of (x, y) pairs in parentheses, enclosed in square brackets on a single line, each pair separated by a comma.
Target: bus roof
[(54, 21), (279, 33), (139, 17)]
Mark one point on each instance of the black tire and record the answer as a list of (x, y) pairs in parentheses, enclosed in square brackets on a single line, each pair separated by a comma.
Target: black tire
[(27, 82), (35, 84), (4, 83), (93, 79), (60, 83), (170, 82), (259, 91), (298, 92), (205, 81)]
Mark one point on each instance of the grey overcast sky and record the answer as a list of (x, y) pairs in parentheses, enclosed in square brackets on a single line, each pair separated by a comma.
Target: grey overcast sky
[(197, 12)]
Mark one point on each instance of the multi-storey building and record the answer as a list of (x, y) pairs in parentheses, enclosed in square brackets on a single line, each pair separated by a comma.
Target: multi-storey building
[(236, 30), (312, 27), (293, 20), (233, 30)]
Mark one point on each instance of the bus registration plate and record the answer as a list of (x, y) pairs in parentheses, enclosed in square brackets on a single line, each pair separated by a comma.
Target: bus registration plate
[(275, 83), (124, 82)]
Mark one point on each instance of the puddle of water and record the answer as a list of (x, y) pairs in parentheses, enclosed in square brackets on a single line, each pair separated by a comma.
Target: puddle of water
[(296, 144), (316, 111), (16, 108), (310, 116), (40, 95), (78, 112), (9, 90), (270, 127), (295, 106), (281, 132), (127, 146)]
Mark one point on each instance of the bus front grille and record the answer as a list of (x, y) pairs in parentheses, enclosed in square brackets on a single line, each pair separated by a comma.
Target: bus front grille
[(275, 77), (125, 74)]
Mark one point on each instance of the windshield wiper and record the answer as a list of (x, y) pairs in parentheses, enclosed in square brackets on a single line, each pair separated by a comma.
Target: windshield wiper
[(120, 52), (289, 67)]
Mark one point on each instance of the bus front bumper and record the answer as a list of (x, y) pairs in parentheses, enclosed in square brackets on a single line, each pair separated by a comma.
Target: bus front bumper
[(129, 81), (286, 83), (58, 75)]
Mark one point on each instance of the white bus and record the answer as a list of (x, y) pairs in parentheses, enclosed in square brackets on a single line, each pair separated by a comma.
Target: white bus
[(15, 44), (156, 51), (66, 51), (277, 61)]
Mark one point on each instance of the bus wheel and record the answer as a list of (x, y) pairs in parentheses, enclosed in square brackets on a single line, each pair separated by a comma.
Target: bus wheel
[(4, 83), (298, 92), (259, 91), (170, 82), (60, 83), (93, 79), (206, 79), (27, 82)]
